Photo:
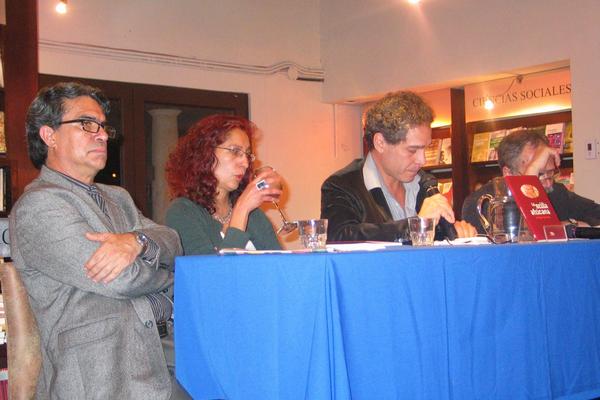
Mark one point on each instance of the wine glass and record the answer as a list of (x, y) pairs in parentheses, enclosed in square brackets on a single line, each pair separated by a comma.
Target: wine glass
[(287, 226)]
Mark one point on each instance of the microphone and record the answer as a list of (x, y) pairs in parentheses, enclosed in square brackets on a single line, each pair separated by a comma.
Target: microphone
[(431, 188), (581, 232)]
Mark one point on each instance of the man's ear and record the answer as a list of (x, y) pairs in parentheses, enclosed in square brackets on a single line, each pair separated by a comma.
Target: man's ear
[(506, 171), (47, 135), (379, 142)]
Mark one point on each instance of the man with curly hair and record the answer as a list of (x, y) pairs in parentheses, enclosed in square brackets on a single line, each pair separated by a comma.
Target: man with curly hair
[(372, 198)]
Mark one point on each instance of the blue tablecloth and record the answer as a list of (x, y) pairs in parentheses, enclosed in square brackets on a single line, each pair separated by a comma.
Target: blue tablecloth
[(483, 322)]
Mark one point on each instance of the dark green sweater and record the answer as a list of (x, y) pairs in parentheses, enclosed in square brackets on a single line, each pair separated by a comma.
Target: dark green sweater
[(201, 234)]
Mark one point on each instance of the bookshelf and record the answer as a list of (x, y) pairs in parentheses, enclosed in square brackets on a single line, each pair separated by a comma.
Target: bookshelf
[(482, 171), (465, 175), (439, 159)]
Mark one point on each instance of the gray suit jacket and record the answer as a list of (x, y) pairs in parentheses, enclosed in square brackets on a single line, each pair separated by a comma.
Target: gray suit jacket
[(99, 341)]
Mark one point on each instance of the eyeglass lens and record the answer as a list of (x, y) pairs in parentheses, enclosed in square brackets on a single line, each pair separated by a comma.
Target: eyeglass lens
[(91, 126), (552, 173), (94, 127), (239, 153)]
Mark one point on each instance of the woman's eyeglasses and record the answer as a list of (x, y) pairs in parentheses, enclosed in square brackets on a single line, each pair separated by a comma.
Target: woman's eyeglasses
[(239, 153)]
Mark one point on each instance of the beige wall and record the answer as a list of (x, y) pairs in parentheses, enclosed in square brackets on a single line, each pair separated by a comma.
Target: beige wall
[(373, 46), (302, 137), (367, 48)]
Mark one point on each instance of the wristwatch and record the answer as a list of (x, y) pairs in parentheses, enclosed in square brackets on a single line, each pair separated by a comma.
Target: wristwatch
[(142, 240)]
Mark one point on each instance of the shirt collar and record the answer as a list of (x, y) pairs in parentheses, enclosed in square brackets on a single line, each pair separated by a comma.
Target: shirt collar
[(373, 180), (76, 182), (370, 173)]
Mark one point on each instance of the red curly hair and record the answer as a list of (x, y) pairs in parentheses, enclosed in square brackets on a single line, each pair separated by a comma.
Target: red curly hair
[(190, 167)]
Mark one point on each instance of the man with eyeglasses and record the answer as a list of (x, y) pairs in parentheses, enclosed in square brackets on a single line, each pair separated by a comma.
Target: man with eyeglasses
[(527, 152), (95, 269)]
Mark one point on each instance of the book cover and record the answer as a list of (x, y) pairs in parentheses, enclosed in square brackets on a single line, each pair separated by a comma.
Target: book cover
[(535, 207), (2, 135), (568, 146), (446, 151), (445, 189), (495, 139), (481, 145), (566, 178), (2, 189), (556, 135), (432, 152)]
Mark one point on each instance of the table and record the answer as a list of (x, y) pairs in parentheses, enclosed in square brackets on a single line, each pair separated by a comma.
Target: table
[(515, 321)]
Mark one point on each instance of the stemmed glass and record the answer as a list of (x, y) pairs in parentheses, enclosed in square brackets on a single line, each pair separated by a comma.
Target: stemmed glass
[(287, 226)]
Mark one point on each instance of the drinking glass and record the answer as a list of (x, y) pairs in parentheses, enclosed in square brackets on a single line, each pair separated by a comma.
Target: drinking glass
[(313, 233), (286, 226), (421, 230)]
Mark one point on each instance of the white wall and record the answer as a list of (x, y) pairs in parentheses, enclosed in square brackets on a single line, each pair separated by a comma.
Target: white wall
[(300, 136), (373, 46)]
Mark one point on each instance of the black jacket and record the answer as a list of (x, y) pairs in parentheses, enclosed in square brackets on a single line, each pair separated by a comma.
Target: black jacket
[(357, 214), (567, 205)]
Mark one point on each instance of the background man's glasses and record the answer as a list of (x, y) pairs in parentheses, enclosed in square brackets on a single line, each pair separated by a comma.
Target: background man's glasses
[(239, 153), (91, 126), (549, 174)]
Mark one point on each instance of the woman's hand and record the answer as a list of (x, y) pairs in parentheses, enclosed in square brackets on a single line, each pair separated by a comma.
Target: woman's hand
[(265, 187)]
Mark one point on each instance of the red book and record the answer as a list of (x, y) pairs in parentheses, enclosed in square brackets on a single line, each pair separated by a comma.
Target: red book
[(536, 207)]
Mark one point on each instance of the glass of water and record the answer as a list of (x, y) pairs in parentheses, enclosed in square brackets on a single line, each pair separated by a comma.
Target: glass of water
[(313, 233), (421, 231)]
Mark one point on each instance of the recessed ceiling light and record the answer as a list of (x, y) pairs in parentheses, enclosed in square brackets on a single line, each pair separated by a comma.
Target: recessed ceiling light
[(414, 1), (61, 7)]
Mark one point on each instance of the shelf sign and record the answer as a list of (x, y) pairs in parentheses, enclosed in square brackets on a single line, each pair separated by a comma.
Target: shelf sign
[(511, 97)]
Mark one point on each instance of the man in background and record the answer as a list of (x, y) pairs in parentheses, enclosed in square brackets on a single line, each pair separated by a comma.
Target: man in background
[(526, 152), (95, 269), (371, 199)]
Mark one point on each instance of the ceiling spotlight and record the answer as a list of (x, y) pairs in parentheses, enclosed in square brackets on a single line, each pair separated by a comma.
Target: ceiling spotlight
[(488, 104), (414, 1), (61, 7)]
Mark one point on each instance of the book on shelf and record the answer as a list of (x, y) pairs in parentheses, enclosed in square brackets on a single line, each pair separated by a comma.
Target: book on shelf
[(481, 145), (432, 152), (446, 151), (568, 146), (2, 134), (556, 135), (495, 139), (566, 178), (445, 188), (3, 179)]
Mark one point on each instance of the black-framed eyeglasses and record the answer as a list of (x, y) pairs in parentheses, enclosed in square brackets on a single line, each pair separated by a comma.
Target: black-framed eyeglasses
[(239, 153), (549, 174), (92, 126)]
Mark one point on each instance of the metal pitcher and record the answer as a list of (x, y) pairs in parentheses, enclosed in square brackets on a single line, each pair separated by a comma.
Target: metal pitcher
[(499, 213)]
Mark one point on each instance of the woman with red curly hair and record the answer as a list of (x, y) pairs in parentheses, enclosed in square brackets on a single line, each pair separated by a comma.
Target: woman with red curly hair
[(216, 197)]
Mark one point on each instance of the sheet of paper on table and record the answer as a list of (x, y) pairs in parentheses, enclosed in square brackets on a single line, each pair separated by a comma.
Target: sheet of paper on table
[(472, 241), (362, 246), (235, 251)]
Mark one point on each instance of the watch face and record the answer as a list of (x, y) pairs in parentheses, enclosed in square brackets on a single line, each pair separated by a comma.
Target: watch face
[(142, 239)]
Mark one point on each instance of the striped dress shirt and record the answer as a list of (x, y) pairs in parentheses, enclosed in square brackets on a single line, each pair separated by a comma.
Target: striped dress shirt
[(162, 307)]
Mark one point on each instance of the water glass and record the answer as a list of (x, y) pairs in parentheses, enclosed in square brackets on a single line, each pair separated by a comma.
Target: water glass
[(421, 230), (313, 233)]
